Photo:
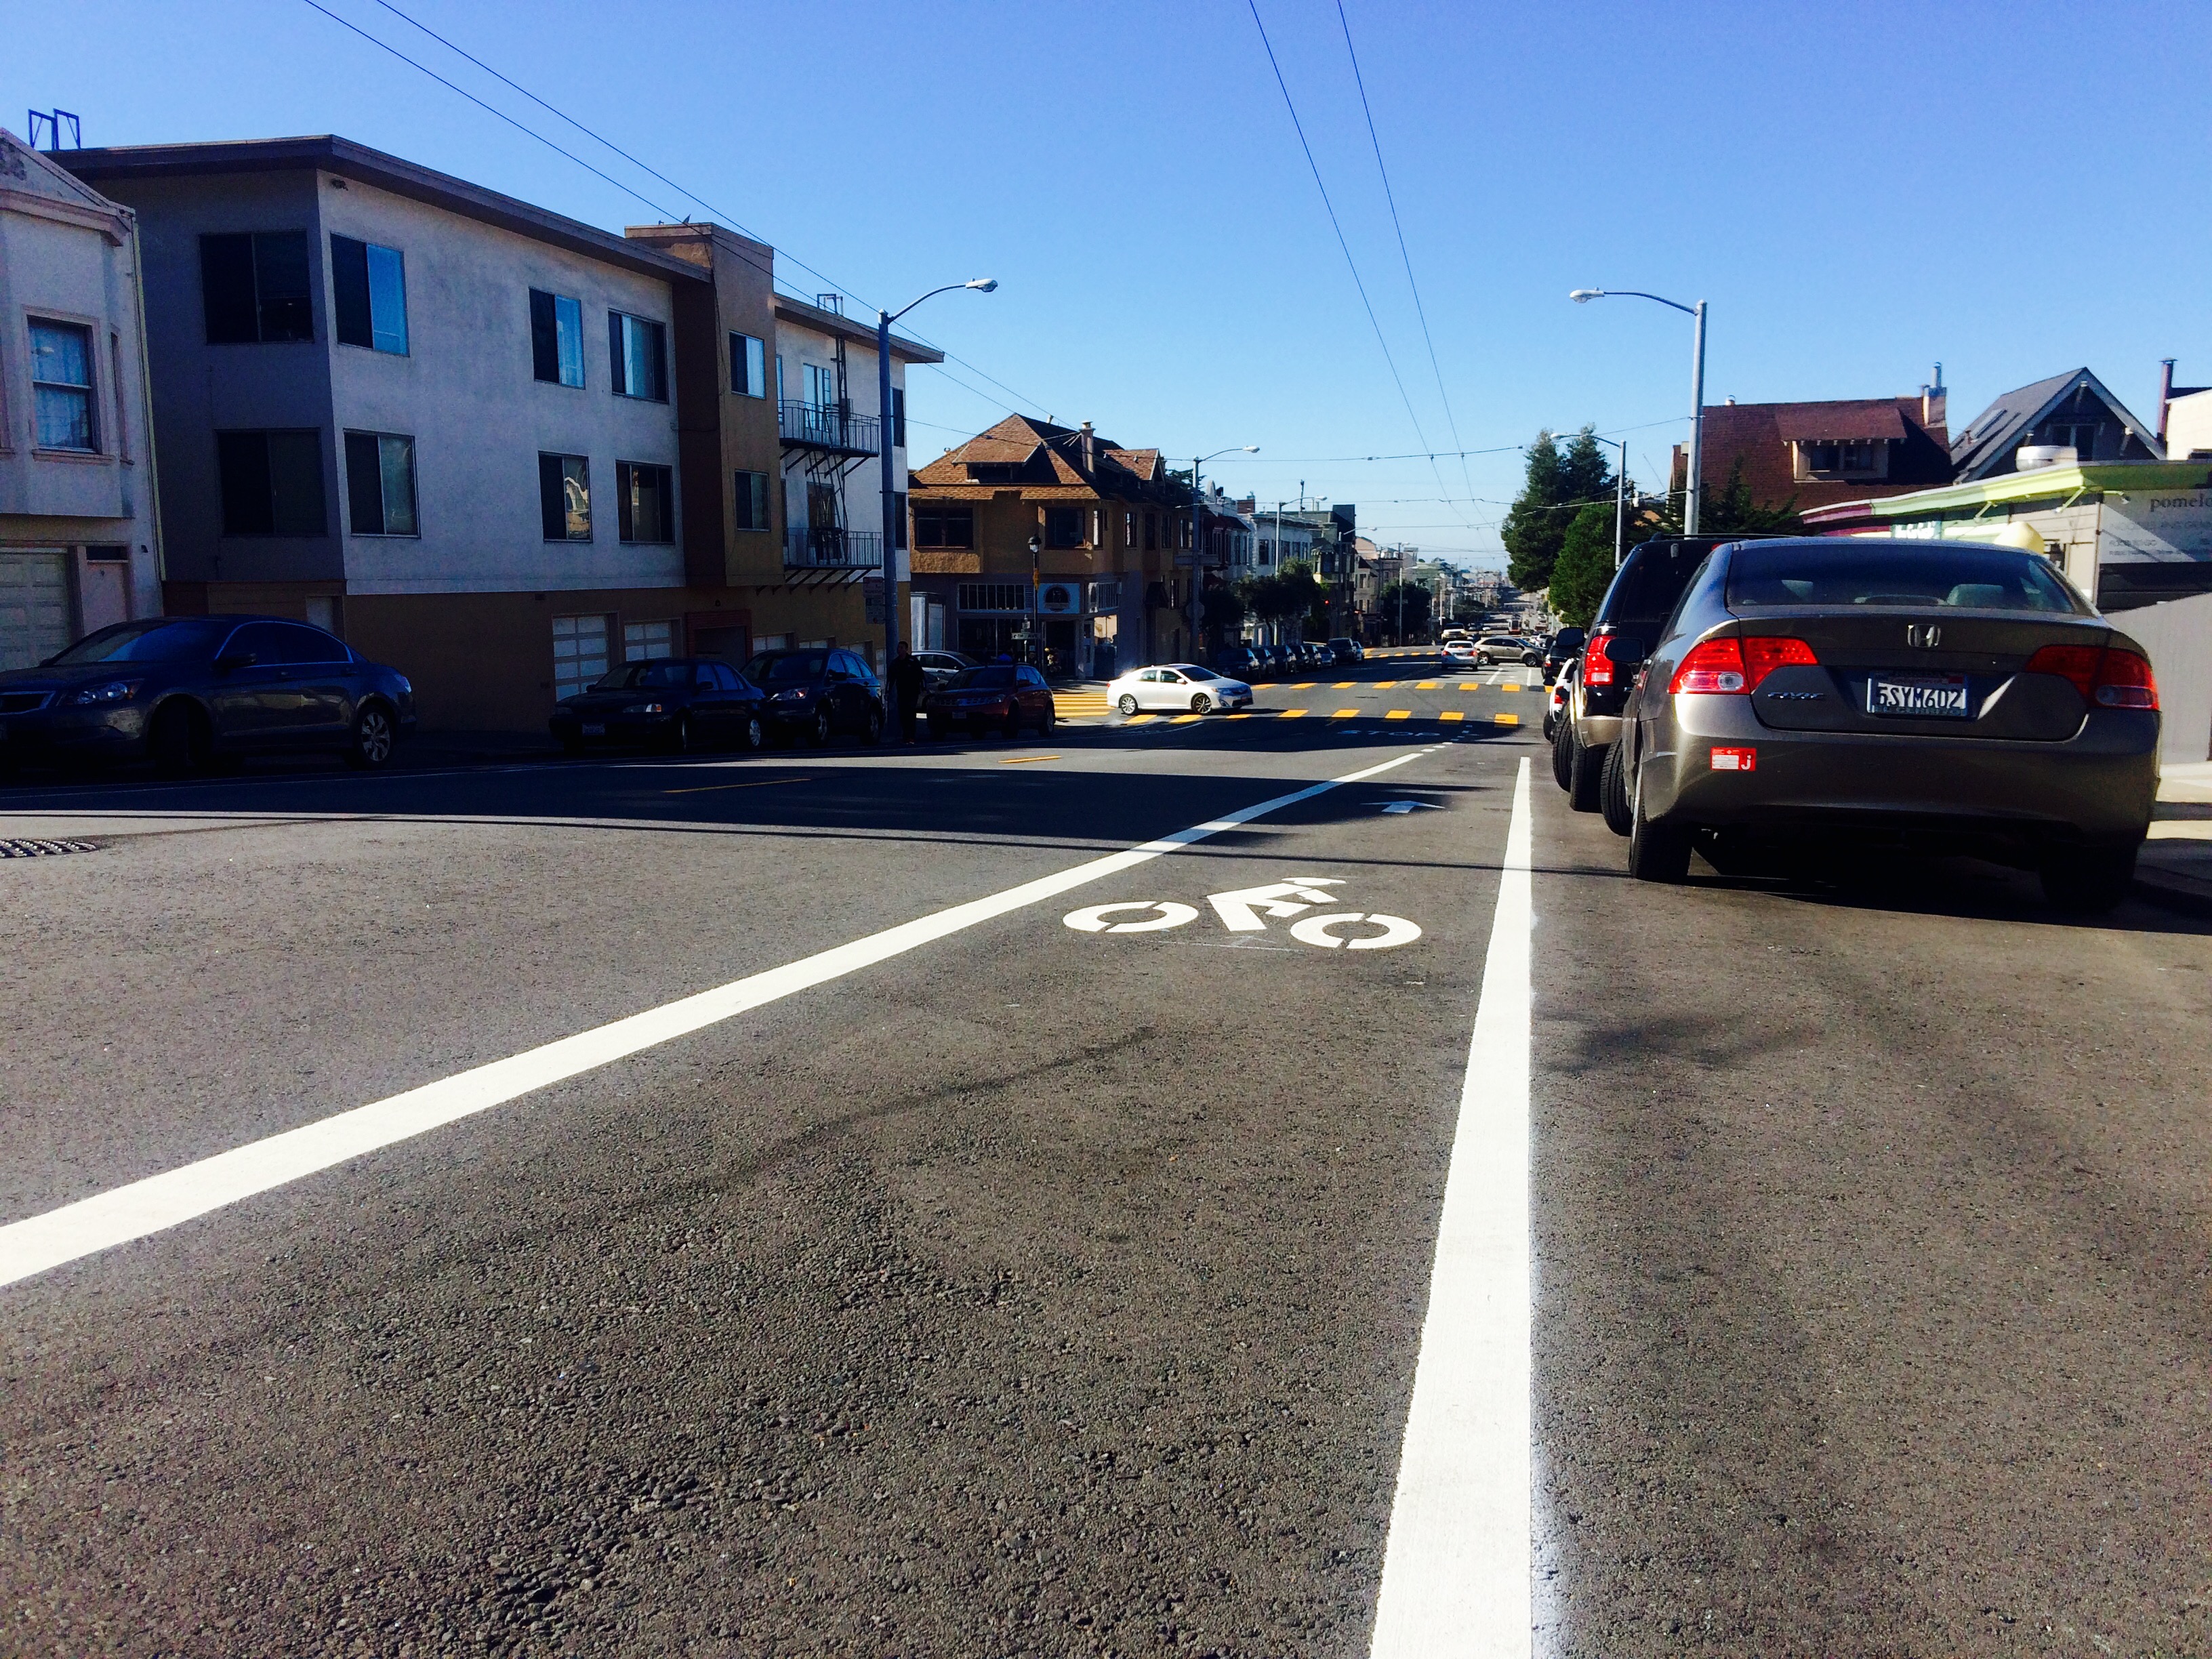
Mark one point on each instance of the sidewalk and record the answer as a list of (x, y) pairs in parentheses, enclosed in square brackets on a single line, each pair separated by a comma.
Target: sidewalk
[(2175, 868)]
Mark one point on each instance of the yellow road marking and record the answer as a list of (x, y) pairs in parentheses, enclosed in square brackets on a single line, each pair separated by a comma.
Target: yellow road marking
[(1506, 719), (1380, 685), (1426, 685), (1341, 685), (1449, 713), (1133, 719), (1303, 685), (1242, 714), (758, 783), (1507, 686), (1287, 715), (1464, 685), (1344, 714), (1179, 720), (1021, 759), (1398, 714)]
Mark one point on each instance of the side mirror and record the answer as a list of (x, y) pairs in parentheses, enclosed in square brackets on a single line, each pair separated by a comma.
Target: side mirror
[(233, 661), (1624, 653)]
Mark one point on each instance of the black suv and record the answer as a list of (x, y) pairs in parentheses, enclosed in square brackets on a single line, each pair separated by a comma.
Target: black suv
[(1565, 646), (817, 691), (1645, 590)]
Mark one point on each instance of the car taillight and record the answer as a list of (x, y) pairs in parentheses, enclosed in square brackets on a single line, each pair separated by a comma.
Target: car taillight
[(2110, 675), (1733, 667), (1597, 667)]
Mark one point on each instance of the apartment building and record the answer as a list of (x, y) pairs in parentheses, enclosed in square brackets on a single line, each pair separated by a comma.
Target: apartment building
[(80, 547), (496, 447), (1030, 536)]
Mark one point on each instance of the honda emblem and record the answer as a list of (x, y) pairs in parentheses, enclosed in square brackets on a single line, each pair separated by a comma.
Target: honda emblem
[(1926, 636)]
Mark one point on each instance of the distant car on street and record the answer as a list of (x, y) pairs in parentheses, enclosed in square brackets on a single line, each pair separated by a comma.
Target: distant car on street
[(813, 693), (1494, 648), (1343, 651), (939, 666), (1943, 696), (1182, 686), (677, 703), (1006, 696), (1561, 649), (1237, 659), (1460, 653), (182, 691)]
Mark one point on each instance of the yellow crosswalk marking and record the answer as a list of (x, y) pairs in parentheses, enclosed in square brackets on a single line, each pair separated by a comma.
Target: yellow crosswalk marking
[(1179, 720), (1341, 714), (1288, 713), (1341, 685), (1502, 718), (1426, 685), (1395, 715), (1380, 685), (1449, 713), (1464, 685), (1507, 686), (1134, 719), (1303, 685)]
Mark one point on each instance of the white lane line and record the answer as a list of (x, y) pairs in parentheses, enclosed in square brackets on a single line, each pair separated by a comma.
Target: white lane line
[(143, 1207), (1456, 1569)]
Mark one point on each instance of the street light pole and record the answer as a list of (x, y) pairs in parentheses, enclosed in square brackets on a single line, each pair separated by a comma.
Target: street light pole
[(886, 433), (1582, 296), (1197, 553)]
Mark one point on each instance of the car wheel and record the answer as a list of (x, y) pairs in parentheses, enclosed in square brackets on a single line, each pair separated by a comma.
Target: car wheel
[(1612, 791), (373, 740), (754, 737), (1658, 851), (1051, 719), (680, 740), (1563, 755), (2087, 881), (818, 734), (1200, 703), (1128, 703), (1584, 770), (875, 717), (180, 743)]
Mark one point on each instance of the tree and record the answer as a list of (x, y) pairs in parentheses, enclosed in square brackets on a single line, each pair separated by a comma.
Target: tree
[(1416, 596), (1560, 480), (1585, 568), (1733, 512)]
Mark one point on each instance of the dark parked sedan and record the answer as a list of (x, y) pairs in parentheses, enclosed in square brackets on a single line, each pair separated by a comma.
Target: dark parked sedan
[(816, 692), (182, 690), (1006, 695), (1950, 696), (677, 703)]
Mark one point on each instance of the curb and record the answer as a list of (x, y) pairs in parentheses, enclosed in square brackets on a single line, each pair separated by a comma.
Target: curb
[(2172, 890)]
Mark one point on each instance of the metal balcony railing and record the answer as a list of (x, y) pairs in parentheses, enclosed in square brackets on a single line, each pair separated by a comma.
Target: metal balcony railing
[(833, 550), (826, 426)]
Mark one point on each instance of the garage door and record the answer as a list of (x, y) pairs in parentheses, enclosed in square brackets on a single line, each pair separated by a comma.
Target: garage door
[(35, 607)]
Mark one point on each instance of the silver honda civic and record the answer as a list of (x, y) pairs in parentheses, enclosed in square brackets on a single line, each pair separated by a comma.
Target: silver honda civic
[(1936, 694)]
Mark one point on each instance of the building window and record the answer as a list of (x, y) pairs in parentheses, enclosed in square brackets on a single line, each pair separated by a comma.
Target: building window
[(564, 497), (271, 483), (748, 367), (1860, 460), (61, 386), (557, 339), (254, 287), (751, 494), (937, 526), (995, 595), (898, 417), (1151, 533), (643, 641), (818, 384), (898, 518), (579, 653), (637, 352), (381, 483), (369, 284), (1128, 530), (1063, 527), (645, 502)]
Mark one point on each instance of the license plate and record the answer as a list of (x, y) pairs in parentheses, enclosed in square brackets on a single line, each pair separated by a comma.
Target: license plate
[(594, 731), (1941, 696)]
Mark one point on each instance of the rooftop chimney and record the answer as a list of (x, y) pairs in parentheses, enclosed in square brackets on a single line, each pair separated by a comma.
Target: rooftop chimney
[(2164, 394), (1089, 448)]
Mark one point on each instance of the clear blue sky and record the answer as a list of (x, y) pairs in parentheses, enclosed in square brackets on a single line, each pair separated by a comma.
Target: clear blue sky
[(1859, 190)]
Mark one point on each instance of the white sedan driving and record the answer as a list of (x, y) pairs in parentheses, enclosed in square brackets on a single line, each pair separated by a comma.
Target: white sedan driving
[(1182, 686)]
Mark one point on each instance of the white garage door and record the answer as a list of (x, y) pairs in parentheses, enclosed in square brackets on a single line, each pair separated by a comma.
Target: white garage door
[(35, 607)]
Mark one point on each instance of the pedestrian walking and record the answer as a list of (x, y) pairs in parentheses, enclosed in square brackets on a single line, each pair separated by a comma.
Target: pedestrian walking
[(907, 680)]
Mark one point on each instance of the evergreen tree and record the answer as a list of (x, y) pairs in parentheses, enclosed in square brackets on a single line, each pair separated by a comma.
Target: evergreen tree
[(1416, 596), (1732, 513), (1560, 479), (1585, 568)]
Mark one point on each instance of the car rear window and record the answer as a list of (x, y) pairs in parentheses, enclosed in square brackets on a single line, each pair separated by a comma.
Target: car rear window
[(1846, 573), (1651, 582)]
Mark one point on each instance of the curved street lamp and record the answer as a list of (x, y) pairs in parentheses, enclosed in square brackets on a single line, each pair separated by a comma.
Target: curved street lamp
[(1197, 509), (1582, 296), (884, 321)]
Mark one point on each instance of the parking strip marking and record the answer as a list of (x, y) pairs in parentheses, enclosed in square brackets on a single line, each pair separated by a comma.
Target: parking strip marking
[(140, 1208), (1457, 1562)]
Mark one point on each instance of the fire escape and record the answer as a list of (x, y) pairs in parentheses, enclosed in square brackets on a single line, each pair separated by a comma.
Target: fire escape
[(825, 441)]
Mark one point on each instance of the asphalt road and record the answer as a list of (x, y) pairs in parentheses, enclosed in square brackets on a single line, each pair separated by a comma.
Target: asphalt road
[(1000, 1286)]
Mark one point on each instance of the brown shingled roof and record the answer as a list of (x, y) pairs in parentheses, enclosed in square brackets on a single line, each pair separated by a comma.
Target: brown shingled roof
[(1843, 421)]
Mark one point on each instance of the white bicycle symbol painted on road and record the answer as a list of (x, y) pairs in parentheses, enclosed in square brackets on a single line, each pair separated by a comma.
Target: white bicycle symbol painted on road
[(1241, 911)]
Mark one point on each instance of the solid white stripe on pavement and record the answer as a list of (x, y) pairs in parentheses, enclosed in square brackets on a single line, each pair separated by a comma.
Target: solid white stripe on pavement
[(1456, 1572), (75, 1230)]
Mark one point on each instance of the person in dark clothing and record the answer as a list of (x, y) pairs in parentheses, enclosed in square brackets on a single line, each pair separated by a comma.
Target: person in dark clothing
[(907, 680)]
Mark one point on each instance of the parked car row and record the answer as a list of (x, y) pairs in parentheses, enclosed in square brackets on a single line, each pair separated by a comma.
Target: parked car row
[(1876, 694), (1301, 656)]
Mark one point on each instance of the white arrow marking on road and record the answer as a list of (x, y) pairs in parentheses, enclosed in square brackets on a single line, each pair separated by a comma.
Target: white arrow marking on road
[(1237, 909), (1313, 930), (1093, 920), (1408, 805)]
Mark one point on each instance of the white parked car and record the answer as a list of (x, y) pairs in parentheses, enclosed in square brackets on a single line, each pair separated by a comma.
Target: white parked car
[(1460, 653), (1182, 686)]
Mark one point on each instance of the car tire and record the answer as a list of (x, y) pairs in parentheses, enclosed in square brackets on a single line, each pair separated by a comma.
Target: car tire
[(1612, 791), (373, 739), (2087, 881), (876, 721), (180, 742), (1045, 725), (755, 738), (1584, 768), (1563, 755), (1128, 704), (680, 740), (819, 734), (1658, 852), (1201, 704)]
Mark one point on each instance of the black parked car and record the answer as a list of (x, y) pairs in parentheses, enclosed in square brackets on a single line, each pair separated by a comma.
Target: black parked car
[(1237, 662), (1343, 652), (1560, 649), (816, 692), (182, 690), (1008, 696), (670, 702)]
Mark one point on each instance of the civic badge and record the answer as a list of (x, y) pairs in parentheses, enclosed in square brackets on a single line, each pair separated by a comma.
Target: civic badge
[(1926, 636)]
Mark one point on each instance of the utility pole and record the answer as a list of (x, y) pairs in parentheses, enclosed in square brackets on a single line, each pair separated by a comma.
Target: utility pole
[(1697, 424)]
